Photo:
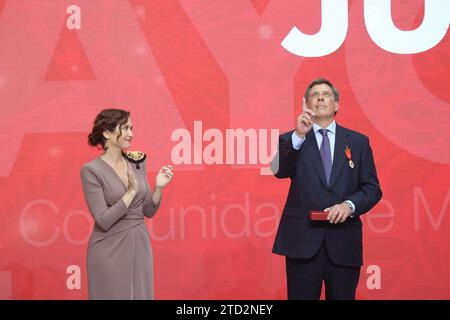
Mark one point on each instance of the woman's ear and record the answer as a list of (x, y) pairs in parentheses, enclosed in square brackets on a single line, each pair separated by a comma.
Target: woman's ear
[(107, 134)]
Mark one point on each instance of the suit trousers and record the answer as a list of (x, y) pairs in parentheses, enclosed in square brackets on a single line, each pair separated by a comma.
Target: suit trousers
[(305, 276)]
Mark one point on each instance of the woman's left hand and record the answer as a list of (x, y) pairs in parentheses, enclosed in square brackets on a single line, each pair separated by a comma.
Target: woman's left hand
[(164, 176)]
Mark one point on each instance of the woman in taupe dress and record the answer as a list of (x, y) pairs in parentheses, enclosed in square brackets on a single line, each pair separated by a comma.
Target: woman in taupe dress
[(115, 186)]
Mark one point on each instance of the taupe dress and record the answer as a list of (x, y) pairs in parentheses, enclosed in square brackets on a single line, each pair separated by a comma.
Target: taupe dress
[(119, 259)]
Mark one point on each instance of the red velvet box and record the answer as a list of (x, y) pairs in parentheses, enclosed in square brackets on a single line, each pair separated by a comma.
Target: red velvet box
[(318, 215)]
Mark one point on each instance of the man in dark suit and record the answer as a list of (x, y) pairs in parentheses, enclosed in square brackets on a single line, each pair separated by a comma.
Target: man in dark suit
[(332, 170)]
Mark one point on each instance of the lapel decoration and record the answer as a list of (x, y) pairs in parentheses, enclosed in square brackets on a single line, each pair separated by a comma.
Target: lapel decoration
[(348, 153), (135, 157)]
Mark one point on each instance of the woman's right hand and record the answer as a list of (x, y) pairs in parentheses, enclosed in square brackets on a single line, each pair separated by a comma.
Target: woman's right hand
[(132, 188), (132, 182)]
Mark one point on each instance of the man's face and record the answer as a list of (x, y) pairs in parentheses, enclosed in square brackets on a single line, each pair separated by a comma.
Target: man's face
[(322, 101)]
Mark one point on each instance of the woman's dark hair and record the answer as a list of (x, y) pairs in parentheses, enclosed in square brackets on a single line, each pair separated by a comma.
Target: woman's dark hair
[(107, 119)]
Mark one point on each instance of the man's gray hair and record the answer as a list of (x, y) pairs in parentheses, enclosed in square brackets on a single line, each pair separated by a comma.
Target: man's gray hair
[(322, 81)]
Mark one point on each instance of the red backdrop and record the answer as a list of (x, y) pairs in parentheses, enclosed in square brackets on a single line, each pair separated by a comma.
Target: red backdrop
[(202, 70)]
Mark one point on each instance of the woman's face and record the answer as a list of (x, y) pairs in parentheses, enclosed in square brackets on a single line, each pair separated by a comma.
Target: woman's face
[(124, 140)]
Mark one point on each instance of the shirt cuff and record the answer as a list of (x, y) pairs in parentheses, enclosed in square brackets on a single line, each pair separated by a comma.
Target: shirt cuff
[(352, 205), (297, 141)]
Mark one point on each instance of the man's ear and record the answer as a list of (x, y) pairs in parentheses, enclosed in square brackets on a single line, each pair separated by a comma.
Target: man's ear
[(336, 107)]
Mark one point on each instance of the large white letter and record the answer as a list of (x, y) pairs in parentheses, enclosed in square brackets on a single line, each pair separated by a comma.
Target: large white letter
[(381, 28), (181, 152), (74, 279), (330, 37), (74, 20), (216, 147), (374, 280)]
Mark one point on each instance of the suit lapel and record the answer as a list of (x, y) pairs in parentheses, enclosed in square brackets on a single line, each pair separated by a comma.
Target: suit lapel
[(339, 158), (312, 151)]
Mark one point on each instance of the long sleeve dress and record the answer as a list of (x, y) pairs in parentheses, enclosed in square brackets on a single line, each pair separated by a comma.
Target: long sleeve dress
[(119, 258)]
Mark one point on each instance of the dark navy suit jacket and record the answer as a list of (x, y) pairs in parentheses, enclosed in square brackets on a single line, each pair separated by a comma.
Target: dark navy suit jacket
[(297, 236)]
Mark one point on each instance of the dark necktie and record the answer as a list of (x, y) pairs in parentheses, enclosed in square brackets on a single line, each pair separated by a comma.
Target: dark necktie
[(325, 154)]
